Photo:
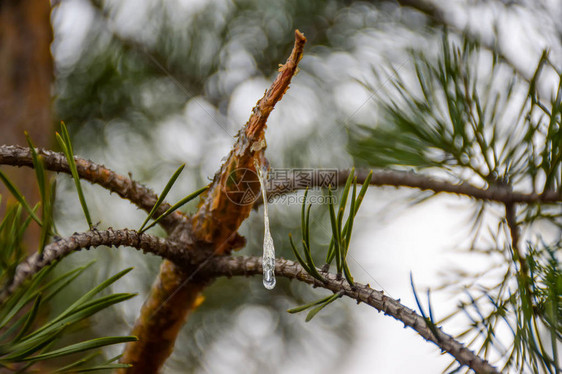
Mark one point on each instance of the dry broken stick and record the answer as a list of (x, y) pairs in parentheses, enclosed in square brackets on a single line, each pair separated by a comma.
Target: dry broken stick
[(214, 231)]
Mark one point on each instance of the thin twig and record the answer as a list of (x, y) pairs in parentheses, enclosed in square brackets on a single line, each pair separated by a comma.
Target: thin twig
[(94, 238), (511, 219), (501, 194), (145, 198), (236, 266), (246, 266), (125, 187)]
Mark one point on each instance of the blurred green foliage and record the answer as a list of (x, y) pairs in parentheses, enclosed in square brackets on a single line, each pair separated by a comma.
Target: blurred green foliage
[(492, 128)]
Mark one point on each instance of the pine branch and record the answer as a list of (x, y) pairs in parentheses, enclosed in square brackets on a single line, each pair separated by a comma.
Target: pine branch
[(523, 273), (496, 193), (211, 267), (125, 187), (145, 198), (246, 266), (94, 238)]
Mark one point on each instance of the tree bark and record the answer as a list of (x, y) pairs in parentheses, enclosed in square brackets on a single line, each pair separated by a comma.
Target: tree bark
[(26, 74)]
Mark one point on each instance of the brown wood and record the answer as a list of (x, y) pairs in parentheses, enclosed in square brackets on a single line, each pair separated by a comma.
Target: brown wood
[(26, 75), (214, 230)]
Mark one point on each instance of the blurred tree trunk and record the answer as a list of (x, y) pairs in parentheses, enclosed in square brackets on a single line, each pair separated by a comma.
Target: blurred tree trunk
[(26, 74)]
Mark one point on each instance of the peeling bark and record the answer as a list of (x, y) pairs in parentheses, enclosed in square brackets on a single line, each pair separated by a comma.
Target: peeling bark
[(214, 231)]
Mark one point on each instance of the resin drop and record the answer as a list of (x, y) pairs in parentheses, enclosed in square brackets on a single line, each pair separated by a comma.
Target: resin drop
[(268, 260)]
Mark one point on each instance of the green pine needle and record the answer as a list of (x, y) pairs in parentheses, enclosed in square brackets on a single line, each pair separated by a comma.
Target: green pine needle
[(45, 192), (428, 320), (303, 214), (308, 265), (22, 296), (317, 309), (64, 141), (30, 318), (331, 252), (335, 233), (363, 191), (313, 271), (25, 346), (343, 202), (83, 300), (39, 167), (297, 255), (82, 346), (19, 197), (162, 195), (176, 206), (106, 368), (74, 367), (304, 307), (347, 273), (349, 223)]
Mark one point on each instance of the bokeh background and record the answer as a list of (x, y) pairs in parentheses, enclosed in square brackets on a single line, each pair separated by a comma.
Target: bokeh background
[(145, 86)]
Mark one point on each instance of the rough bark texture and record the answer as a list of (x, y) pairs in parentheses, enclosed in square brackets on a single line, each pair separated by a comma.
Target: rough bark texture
[(171, 299), (26, 70), (112, 238), (233, 266), (500, 194), (214, 230), (26, 74), (94, 173)]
